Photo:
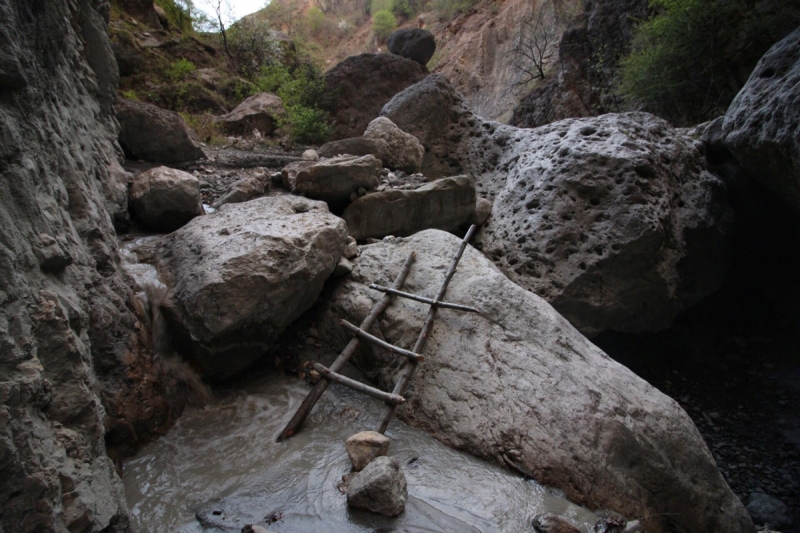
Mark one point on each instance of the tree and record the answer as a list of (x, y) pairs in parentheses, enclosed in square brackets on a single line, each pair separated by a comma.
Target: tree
[(223, 11), (536, 43), (383, 23), (253, 46)]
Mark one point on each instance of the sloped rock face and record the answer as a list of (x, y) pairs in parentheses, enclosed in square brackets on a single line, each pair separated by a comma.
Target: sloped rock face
[(156, 135), (360, 85), (260, 112), (165, 198), (615, 220), (443, 204), (241, 275), (762, 125), (520, 386), (73, 352)]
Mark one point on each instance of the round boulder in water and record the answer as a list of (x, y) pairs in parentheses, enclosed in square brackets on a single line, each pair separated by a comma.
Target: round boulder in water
[(415, 44)]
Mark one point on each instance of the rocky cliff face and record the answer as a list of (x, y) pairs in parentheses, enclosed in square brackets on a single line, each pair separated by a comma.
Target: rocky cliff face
[(73, 351)]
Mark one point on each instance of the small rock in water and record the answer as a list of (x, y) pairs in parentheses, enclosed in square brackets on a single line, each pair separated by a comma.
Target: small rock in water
[(365, 446), (310, 155), (553, 523), (253, 528), (379, 488), (313, 377)]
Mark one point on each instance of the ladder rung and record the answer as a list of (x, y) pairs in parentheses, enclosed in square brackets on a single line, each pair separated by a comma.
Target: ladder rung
[(422, 299), (387, 397), (375, 340)]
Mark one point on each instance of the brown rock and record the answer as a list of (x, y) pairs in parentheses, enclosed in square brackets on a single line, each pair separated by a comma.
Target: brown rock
[(403, 150), (334, 180), (553, 523), (355, 146), (380, 488), (164, 199), (259, 112), (365, 446)]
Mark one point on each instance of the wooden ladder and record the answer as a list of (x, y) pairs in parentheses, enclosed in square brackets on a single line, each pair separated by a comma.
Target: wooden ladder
[(360, 333)]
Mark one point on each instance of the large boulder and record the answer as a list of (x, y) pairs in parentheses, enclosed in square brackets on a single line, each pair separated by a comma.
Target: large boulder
[(241, 275), (762, 125), (355, 146), (156, 135), (404, 151), (334, 180), (380, 488), (259, 112), (165, 199), (361, 85), (443, 204), (415, 44), (518, 385), (615, 220)]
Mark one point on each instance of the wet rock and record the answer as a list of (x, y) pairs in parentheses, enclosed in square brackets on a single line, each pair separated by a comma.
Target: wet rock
[(576, 419), (404, 152), (165, 199), (365, 446), (553, 523), (243, 190), (615, 220), (259, 112), (355, 146), (415, 44), (334, 180), (310, 155), (483, 208), (443, 204), (240, 276), (379, 488), (156, 135), (768, 510), (762, 123), (362, 84)]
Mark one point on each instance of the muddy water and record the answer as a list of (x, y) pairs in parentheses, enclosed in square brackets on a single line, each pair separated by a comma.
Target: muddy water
[(220, 468)]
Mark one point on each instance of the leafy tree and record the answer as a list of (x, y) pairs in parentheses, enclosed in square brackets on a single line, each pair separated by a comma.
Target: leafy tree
[(252, 46), (383, 24), (692, 57)]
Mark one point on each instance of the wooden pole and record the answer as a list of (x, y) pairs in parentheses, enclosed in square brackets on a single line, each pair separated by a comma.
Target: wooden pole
[(358, 386), (430, 301), (385, 345), (408, 370), (314, 395)]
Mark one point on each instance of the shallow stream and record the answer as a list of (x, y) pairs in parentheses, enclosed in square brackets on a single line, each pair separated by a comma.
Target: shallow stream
[(220, 468)]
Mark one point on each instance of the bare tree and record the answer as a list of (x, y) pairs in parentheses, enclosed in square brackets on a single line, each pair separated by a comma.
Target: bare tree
[(222, 10), (536, 42)]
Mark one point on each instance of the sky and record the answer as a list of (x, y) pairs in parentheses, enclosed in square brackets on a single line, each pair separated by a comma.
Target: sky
[(245, 7)]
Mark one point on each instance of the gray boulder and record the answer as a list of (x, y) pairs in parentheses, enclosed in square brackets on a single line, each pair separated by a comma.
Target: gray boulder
[(289, 172), (415, 44), (355, 146), (243, 190), (334, 180), (165, 199), (615, 220), (403, 151), (156, 135), (259, 112), (518, 385), (762, 125), (241, 275), (767, 510), (380, 488), (443, 204)]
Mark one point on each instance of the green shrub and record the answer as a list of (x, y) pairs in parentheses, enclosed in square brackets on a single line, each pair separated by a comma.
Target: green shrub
[(402, 8), (130, 95), (383, 24), (689, 60), (180, 69), (448, 9), (316, 19), (307, 125)]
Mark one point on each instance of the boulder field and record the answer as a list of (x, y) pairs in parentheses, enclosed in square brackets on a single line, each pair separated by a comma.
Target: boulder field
[(615, 220), (518, 385)]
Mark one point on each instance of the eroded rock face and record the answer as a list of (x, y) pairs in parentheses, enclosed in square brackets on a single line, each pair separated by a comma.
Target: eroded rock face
[(74, 353), (415, 44), (362, 84), (165, 199), (156, 135), (259, 112), (615, 220), (379, 488), (762, 125), (443, 204), (403, 151), (241, 275), (520, 386)]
